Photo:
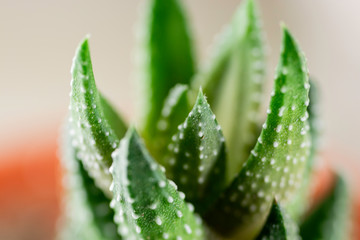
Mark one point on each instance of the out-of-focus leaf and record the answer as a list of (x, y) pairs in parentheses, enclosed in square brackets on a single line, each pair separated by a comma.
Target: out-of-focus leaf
[(276, 164), (166, 58)]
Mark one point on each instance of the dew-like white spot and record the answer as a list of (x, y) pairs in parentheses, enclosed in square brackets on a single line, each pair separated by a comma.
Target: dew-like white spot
[(170, 199), (179, 213), (266, 179), (158, 220), (182, 195), (191, 207), (281, 111), (162, 184), (187, 229), (173, 184)]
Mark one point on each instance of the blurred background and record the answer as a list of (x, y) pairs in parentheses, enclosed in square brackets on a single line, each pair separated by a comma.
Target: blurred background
[(38, 41)]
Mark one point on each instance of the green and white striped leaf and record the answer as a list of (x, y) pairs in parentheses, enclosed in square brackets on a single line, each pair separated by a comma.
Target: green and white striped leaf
[(147, 205), (330, 220), (165, 55), (95, 126), (300, 202), (276, 164), (176, 107), (234, 84), (197, 158), (87, 214), (279, 226)]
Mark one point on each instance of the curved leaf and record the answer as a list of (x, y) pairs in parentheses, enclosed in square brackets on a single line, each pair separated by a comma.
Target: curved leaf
[(147, 205), (197, 159), (276, 164), (300, 202), (95, 127), (176, 108), (279, 226), (234, 85), (87, 214), (166, 56), (330, 219)]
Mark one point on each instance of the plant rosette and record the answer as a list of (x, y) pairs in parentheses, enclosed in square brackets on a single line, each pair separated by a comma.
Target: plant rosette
[(201, 163)]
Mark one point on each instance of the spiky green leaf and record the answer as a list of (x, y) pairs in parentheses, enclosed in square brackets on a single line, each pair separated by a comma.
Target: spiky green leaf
[(166, 56), (300, 202), (95, 126), (276, 164), (279, 225), (174, 111), (147, 205), (87, 214), (331, 218), (197, 156), (235, 88)]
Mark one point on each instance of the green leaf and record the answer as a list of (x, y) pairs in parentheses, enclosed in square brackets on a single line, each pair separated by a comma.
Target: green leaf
[(300, 202), (166, 56), (279, 225), (95, 126), (88, 215), (147, 205), (197, 158), (276, 164), (234, 84), (331, 218), (175, 110)]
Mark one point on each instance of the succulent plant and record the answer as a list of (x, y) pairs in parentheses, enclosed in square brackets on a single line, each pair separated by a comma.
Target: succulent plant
[(200, 165)]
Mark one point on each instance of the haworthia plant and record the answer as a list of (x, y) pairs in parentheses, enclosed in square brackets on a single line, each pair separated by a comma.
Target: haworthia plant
[(330, 219), (197, 159), (166, 57), (95, 127), (183, 182), (279, 225), (147, 205), (277, 162), (235, 88)]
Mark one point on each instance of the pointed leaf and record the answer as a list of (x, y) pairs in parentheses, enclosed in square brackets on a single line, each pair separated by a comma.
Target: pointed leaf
[(300, 203), (276, 164), (239, 87), (279, 225), (147, 205), (330, 219), (197, 158), (166, 57), (176, 108), (95, 127), (88, 215)]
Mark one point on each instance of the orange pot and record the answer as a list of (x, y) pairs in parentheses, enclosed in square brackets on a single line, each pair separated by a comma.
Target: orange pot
[(29, 190)]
